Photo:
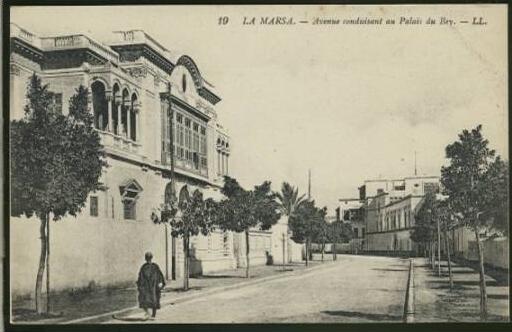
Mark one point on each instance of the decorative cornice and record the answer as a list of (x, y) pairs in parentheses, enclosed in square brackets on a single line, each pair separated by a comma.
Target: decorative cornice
[(24, 48), (14, 69), (137, 72), (148, 52)]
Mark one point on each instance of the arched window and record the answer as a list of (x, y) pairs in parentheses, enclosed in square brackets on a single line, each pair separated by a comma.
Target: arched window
[(116, 97), (184, 197), (184, 82), (130, 192), (99, 105), (125, 107)]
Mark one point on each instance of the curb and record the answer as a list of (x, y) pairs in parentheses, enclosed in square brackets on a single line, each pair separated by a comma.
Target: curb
[(409, 295), (186, 298)]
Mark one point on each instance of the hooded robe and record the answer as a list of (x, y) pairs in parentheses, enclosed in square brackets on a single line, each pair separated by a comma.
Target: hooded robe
[(147, 284)]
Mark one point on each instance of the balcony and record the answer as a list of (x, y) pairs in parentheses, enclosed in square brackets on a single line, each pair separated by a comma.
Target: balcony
[(140, 37), (78, 42), (119, 143), (25, 35), (185, 165)]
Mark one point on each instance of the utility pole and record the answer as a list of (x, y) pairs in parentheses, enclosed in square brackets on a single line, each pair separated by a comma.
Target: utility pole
[(284, 243), (415, 168), (438, 248), (309, 184), (48, 263), (170, 114)]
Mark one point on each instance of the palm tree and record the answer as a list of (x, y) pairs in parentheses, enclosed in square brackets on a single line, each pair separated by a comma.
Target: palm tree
[(289, 200)]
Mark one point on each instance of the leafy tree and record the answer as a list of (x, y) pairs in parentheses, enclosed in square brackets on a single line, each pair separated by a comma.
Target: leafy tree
[(476, 188), (243, 210), (56, 161), (322, 235), (424, 228), (448, 222), (306, 224), (190, 217), (339, 232), (495, 185), (289, 200)]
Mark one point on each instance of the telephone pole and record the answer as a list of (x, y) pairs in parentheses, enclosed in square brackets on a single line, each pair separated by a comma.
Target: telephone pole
[(309, 221), (415, 168), (170, 114), (309, 183)]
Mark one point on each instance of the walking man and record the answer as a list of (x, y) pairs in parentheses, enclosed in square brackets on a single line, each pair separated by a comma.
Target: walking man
[(150, 284)]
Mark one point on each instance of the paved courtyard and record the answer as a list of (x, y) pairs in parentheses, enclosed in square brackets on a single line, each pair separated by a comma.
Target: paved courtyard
[(352, 289)]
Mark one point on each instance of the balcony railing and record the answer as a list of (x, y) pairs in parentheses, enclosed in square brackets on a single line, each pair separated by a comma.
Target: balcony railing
[(140, 37), (76, 42), (25, 35), (120, 143), (185, 165)]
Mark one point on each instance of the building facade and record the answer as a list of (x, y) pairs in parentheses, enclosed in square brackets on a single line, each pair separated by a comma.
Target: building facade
[(390, 223), (351, 211), (389, 208), (128, 77)]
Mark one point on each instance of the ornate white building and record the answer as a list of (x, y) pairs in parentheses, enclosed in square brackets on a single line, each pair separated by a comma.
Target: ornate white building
[(128, 78)]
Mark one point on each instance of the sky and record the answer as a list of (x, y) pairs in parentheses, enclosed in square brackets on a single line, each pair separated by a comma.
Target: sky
[(349, 102)]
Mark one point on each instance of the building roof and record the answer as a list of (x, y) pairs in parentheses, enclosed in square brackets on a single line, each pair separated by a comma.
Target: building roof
[(109, 52)]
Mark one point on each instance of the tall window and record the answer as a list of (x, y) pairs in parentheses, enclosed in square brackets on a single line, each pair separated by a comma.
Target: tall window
[(57, 102), (93, 205), (130, 192), (129, 209)]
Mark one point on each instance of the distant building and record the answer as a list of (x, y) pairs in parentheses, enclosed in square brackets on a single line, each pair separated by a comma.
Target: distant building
[(351, 211), (390, 223), (384, 212), (399, 188)]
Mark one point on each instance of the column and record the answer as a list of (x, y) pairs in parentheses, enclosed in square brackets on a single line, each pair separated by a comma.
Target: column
[(137, 121), (227, 164), (110, 115), (218, 162), (128, 121), (118, 125), (222, 163)]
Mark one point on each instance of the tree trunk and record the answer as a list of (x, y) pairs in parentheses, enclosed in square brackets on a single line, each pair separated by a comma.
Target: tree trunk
[(483, 290), (323, 249), (185, 262), (432, 255), (306, 252), (447, 246), (438, 249), (48, 264), (334, 251), (42, 260), (247, 253)]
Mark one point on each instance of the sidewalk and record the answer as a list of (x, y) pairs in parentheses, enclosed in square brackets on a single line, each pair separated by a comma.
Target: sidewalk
[(435, 303), (93, 305)]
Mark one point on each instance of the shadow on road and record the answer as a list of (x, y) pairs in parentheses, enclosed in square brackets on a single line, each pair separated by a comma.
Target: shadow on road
[(130, 319), (363, 315), (218, 276), (179, 290), (455, 271), (498, 296), (390, 270)]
